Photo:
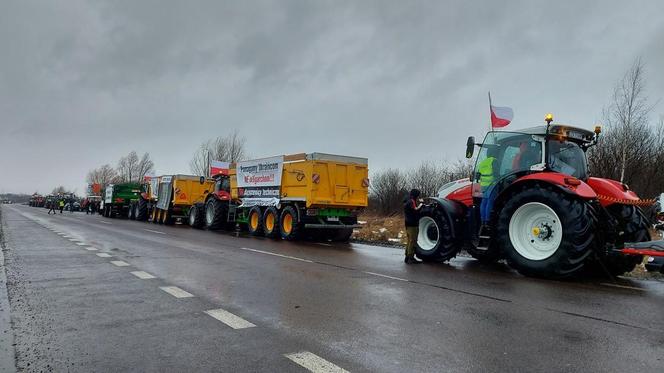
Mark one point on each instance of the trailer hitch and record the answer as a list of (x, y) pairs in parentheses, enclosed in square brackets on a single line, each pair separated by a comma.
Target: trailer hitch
[(652, 248)]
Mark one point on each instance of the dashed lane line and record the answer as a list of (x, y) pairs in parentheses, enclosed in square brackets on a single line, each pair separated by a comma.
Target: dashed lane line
[(142, 275), (386, 276), (103, 255), (119, 263), (235, 322), (81, 243), (105, 222), (91, 248), (176, 291), (150, 230), (275, 254), (314, 363)]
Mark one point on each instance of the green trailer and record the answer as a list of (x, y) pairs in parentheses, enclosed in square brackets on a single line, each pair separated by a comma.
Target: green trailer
[(118, 198)]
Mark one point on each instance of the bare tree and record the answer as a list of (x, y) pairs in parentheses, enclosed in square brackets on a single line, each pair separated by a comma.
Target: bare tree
[(388, 191), (103, 175), (131, 169), (230, 148), (60, 190), (428, 178)]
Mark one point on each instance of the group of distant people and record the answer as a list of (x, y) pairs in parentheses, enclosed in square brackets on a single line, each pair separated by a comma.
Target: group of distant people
[(60, 204)]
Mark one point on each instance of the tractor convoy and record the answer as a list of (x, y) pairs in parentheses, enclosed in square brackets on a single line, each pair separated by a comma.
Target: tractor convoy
[(529, 200)]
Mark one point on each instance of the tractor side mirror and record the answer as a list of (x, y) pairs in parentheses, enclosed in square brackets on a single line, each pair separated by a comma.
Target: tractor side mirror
[(470, 147)]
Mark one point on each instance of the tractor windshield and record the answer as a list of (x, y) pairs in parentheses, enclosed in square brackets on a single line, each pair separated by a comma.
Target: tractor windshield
[(568, 158)]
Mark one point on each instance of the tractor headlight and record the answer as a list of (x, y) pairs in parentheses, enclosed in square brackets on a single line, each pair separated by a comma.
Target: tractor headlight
[(651, 259)]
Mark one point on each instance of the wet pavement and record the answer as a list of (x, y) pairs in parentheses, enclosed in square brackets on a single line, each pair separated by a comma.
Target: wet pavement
[(171, 298)]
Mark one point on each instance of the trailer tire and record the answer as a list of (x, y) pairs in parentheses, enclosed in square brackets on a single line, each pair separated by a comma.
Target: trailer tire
[(255, 221), (341, 235), (567, 221), (271, 222), (142, 210), (289, 226), (216, 213), (197, 216), (434, 239)]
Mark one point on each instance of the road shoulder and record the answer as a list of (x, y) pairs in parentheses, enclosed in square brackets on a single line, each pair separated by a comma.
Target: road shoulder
[(7, 356)]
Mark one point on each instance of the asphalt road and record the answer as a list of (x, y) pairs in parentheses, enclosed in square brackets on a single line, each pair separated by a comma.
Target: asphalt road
[(80, 300)]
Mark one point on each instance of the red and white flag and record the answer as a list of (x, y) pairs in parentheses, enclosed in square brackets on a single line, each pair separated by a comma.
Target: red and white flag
[(219, 168), (501, 116)]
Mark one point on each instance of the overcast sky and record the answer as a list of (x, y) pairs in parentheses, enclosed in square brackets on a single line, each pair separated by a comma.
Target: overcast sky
[(84, 82)]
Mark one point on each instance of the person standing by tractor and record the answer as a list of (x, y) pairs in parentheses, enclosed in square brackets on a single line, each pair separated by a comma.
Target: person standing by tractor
[(412, 217), (51, 207), (61, 204)]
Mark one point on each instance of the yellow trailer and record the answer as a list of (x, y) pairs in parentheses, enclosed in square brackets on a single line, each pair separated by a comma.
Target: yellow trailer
[(181, 196), (317, 194)]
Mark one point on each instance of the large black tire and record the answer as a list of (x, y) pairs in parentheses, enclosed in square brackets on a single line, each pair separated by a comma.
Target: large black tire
[(575, 218), (255, 225), (132, 211), (633, 222), (435, 241), (142, 210), (216, 214), (271, 222), (341, 235), (197, 216), (489, 255), (289, 225)]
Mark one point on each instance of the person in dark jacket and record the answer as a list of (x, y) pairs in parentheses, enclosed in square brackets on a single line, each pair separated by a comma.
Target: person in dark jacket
[(411, 211)]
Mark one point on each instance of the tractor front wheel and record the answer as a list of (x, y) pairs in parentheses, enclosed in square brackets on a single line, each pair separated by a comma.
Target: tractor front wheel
[(545, 233), (197, 216), (434, 240), (216, 213)]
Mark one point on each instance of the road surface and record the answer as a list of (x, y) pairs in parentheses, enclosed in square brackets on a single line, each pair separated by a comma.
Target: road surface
[(89, 293)]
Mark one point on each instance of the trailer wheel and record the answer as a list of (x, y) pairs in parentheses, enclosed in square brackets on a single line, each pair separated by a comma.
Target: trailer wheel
[(289, 227), (197, 216), (216, 213), (545, 233), (271, 222), (342, 235), (255, 224), (142, 209), (434, 239), (132, 211)]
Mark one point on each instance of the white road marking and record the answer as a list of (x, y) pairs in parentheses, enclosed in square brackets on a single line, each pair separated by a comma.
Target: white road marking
[(91, 248), (65, 236), (386, 276), (275, 254), (176, 291), (103, 255), (150, 230), (74, 240), (81, 243), (621, 286), (105, 222), (119, 263), (235, 322), (314, 363), (323, 244), (142, 275)]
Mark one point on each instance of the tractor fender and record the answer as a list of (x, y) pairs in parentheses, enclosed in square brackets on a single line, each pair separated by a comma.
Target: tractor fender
[(455, 212), (612, 191), (566, 183)]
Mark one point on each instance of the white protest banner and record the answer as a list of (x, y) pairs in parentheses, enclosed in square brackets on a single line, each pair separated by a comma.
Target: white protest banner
[(259, 181)]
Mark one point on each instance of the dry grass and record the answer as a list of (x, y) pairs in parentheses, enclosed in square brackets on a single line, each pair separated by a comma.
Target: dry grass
[(381, 229)]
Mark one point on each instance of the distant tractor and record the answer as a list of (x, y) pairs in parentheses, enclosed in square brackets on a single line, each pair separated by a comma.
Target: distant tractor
[(143, 208), (549, 218), (118, 198)]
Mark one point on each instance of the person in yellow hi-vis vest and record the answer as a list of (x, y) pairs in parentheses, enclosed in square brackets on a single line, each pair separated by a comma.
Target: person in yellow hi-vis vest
[(487, 169)]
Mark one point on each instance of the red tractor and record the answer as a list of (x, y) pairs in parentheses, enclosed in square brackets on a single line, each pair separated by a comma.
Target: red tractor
[(543, 213)]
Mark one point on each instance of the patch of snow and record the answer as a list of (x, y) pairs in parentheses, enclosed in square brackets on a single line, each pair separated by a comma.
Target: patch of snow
[(394, 240), (383, 230)]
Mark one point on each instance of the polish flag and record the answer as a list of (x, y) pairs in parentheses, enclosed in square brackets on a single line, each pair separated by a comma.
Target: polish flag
[(501, 116), (219, 168)]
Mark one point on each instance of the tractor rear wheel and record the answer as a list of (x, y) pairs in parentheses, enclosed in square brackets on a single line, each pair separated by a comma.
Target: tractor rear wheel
[(545, 233), (434, 240), (271, 222), (216, 214), (142, 210), (197, 216), (255, 225)]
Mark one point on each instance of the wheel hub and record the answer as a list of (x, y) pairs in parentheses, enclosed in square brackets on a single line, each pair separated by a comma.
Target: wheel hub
[(535, 231)]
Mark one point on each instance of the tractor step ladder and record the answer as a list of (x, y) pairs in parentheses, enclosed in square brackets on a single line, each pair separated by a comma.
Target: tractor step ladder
[(232, 213)]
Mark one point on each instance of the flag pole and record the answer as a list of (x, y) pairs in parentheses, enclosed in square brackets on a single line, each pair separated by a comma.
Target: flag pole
[(490, 112)]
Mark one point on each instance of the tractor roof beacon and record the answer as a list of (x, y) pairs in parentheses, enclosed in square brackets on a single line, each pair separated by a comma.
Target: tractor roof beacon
[(543, 212)]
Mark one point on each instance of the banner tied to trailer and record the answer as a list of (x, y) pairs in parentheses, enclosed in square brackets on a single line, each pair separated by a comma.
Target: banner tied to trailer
[(259, 181)]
